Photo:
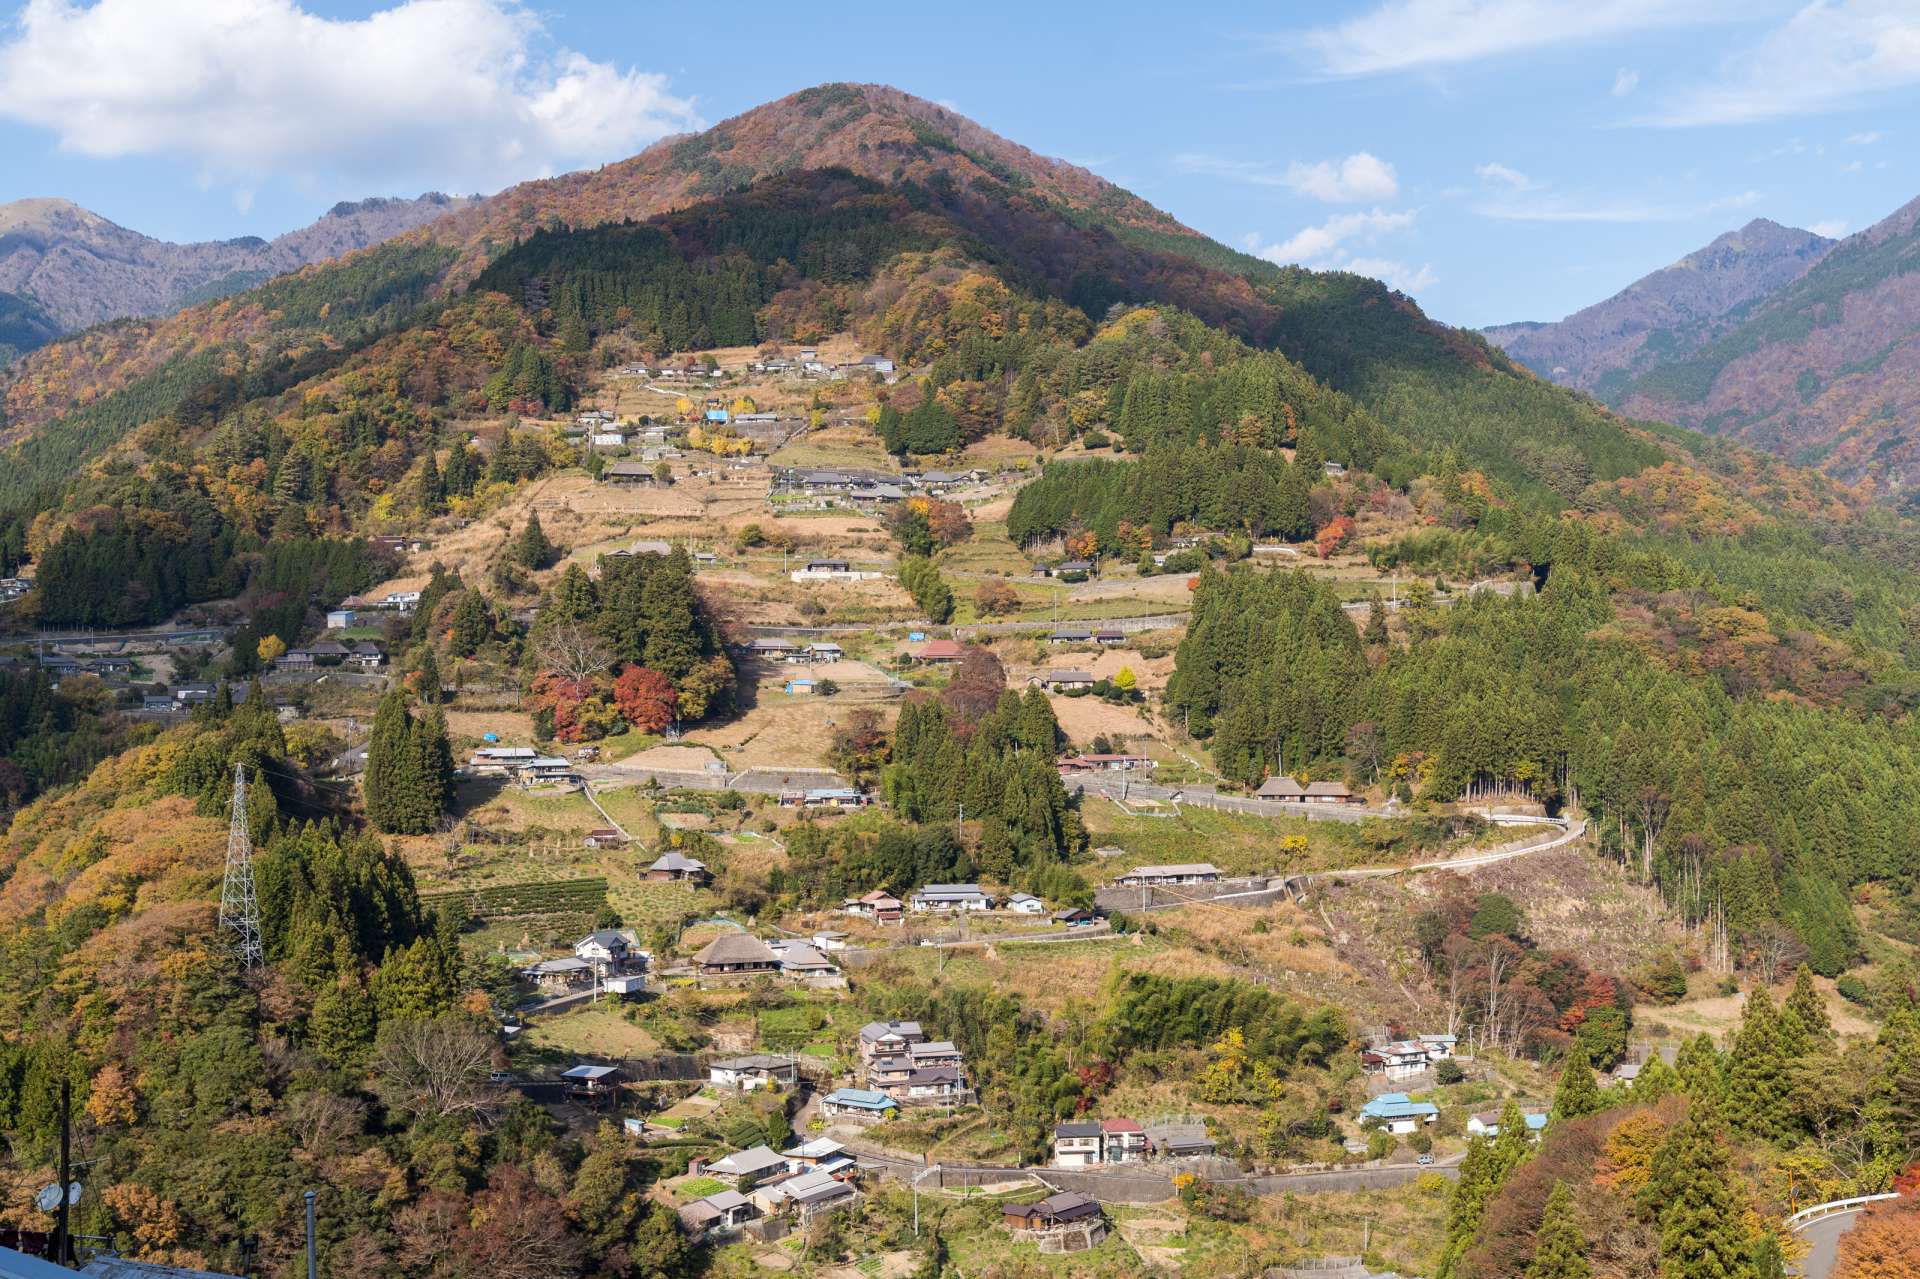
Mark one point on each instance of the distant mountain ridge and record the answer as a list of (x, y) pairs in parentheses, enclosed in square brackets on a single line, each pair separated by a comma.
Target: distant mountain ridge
[(1665, 315), (1824, 370), (77, 269)]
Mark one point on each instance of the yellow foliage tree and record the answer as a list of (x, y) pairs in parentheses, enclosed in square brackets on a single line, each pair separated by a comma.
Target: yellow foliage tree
[(155, 1223), (270, 648), (110, 1099), (1627, 1158)]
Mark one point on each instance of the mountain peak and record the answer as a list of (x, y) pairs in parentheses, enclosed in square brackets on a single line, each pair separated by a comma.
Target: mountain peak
[(873, 130), (44, 213), (1676, 308)]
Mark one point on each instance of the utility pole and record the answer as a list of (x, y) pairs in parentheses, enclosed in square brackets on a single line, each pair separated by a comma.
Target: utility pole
[(923, 1173), (313, 1260), (239, 908), (63, 1230)]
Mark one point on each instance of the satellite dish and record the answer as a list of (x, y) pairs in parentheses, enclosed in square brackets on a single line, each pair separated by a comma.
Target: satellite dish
[(48, 1200)]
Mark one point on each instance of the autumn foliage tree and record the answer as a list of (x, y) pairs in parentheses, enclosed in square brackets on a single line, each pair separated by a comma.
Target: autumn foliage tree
[(1333, 536), (1885, 1244), (647, 701), (994, 597)]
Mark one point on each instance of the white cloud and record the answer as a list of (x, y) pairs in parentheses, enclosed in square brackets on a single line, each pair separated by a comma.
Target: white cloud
[(1404, 34), (1743, 200), (1625, 81), (1395, 275), (1357, 179), (1832, 228), (1494, 171), (1864, 139), (466, 94), (1323, 245), (1830, 54)]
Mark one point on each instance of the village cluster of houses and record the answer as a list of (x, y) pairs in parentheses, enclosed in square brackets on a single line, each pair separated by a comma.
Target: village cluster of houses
[(113, 671), (1092, 1143), (788, 652), (867, 487), (900, 1066), (808, 363), (738, 956), (813, 1177), (605, 959), (1398, 1113), (955, 899)]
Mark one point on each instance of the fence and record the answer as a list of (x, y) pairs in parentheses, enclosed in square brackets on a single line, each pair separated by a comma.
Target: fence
[(1833, 1208)]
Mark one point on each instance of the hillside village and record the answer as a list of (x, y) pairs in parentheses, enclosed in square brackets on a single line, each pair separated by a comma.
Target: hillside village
[(930, 779), (611, 874)]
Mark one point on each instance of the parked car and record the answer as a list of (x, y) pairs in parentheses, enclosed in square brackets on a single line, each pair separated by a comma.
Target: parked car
[(1424, 1160)]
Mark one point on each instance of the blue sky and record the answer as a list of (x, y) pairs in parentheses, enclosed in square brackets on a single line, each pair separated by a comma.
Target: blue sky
[(1499, 159)]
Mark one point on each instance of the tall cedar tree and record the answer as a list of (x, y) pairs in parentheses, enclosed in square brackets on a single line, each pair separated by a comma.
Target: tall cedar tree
[(1759, 1091), (532, 549), (1559, 1250), (1806, 1004), (409, 779), (1578, 1095), (1486, 1168), (472, 623), (1691, 1195), (389, 762)]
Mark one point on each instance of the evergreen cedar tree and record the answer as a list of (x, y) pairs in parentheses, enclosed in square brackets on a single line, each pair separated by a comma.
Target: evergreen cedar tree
[(930, 591), (1559, 1250), (532, 550), (409, 777)]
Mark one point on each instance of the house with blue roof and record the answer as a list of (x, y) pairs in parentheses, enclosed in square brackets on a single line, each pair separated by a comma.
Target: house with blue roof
[(859, 1103), (1397, 1114), (1486, 1123)]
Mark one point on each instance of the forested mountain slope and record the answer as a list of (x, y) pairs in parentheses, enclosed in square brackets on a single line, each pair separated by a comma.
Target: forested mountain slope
[(1665, 315)]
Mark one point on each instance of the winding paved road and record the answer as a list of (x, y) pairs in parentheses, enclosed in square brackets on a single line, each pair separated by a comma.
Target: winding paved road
[(1822, 1227)]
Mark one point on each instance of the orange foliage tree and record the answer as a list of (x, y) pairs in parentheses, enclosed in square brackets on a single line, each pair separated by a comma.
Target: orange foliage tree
[(1885, 1244), (1334, 536)]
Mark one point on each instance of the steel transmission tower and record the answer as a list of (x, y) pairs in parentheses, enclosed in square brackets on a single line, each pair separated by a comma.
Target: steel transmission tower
[(239, 909)]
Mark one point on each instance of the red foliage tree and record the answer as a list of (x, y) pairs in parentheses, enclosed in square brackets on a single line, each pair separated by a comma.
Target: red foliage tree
[(555, 692), (646, 699)]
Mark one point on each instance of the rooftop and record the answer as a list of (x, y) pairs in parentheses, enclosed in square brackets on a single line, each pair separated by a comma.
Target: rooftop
[(752, 1160), (737, 948)]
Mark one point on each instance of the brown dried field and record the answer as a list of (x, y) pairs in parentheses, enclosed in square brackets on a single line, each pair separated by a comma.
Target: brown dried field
[(1084, 718)]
